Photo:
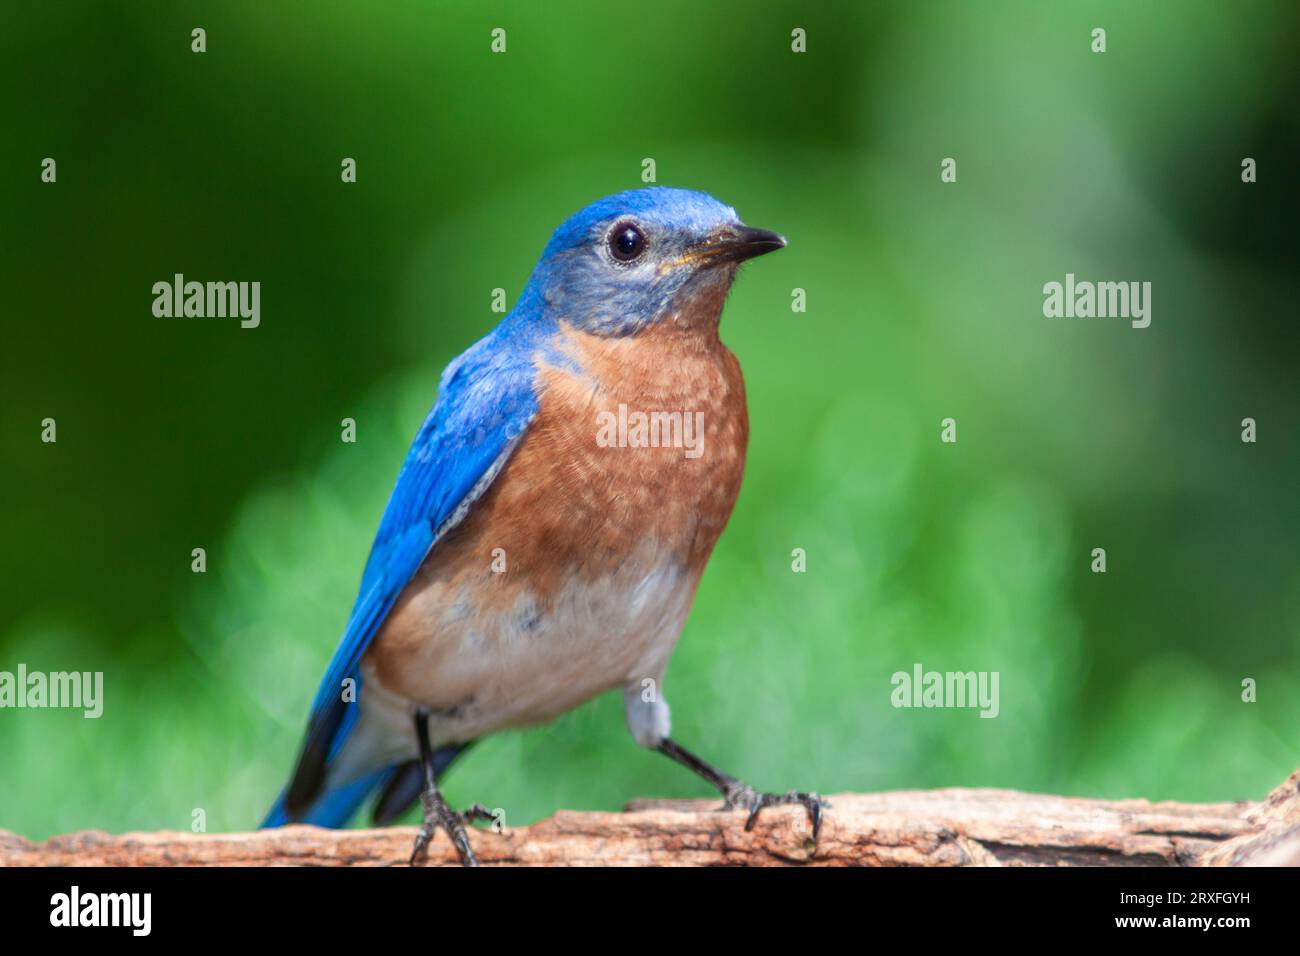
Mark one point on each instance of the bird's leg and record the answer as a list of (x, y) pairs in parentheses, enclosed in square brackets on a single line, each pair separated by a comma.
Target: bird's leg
[(740, 795), (437, 813)]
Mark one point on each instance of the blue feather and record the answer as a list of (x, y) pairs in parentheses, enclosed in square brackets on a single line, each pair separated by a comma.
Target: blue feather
[(486, 401), (335, 808)]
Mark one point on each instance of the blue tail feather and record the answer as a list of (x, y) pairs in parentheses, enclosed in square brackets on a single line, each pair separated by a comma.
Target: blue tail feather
[(334, 808)]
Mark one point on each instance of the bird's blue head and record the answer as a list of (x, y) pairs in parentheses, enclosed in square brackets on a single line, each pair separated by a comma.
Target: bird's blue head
[(644, 256)]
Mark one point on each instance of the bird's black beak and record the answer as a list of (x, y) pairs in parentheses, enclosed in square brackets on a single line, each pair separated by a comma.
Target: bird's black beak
[(735, 244)]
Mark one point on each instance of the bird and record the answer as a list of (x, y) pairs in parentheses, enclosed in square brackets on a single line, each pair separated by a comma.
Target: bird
[(550, 523)]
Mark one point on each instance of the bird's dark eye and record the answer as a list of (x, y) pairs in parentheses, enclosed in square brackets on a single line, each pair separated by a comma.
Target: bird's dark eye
[(626, 241)]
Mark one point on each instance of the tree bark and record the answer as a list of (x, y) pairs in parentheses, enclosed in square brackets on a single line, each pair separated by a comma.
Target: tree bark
[(952, 827)]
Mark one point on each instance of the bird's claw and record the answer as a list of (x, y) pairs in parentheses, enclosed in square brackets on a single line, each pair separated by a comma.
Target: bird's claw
[(744, 797), (476, 812), (441, 816)]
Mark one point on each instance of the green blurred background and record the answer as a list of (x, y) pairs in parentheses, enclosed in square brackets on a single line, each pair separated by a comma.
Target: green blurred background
[(924, 302)]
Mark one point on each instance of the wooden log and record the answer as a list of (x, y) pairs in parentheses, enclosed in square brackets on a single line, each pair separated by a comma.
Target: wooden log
[(951, 827)]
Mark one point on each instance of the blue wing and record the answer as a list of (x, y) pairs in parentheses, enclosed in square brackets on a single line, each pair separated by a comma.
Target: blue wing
[(485, 402)]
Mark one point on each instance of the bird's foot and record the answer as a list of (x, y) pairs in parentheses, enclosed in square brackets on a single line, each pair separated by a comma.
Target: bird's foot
[(437, 814), (476, 812), (741, 796)]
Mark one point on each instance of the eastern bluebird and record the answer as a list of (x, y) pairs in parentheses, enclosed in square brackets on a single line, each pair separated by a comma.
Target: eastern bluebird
[(551, 521)]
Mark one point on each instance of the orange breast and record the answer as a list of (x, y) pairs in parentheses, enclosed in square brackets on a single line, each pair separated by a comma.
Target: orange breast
[(585, 496), (648, 441)]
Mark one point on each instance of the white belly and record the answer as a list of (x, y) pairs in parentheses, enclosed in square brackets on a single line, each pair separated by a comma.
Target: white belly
[(523, 665)]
